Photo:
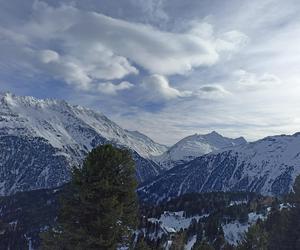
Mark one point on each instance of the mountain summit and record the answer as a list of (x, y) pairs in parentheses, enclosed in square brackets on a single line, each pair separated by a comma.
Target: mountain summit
[(194, 146)]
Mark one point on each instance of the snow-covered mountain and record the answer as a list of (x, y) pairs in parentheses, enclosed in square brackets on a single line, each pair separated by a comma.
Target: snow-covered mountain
[(41, 139), (267, 166), (194, 146)]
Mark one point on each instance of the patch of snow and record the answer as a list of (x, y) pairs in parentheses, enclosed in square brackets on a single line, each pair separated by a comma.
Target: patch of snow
[(172, 222), (190, 243), (235, 231), (168, 245), (234, 203)]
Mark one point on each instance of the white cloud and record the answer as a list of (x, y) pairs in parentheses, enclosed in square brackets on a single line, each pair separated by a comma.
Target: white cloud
[(231, 41), (251, 81), (212, 92), (152, 9), (94, 47), (95, 53), (157, 87), (112, 89), (48, 56)]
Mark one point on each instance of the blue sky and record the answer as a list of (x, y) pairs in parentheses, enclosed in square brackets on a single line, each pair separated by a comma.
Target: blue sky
[(168, 68)]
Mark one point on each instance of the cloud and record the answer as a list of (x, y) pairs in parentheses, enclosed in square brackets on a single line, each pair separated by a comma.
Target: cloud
[(157, 87), (48, 56), (213, 89), (193, 45), (251, 81), (212, 92), (85, 47), (152, 9), (231, 41), (112, 89)]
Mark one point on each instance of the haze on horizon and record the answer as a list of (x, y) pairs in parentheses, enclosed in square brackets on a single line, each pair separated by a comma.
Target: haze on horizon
[(168, 68)]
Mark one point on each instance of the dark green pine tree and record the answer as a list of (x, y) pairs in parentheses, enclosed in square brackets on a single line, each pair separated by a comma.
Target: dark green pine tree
[(142, 245), (99, 209), (255, 238), (204, 245)]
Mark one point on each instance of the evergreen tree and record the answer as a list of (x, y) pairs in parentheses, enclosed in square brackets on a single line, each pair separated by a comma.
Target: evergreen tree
[(283, 226), (142, 245), (256, 238), (178, 241), (99, 209), (204, 245)]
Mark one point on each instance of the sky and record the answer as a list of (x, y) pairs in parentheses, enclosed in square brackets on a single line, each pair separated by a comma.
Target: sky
[(168, 68)]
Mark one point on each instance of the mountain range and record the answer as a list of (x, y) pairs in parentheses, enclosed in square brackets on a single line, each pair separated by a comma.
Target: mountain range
[(41, 140), (267, 166)]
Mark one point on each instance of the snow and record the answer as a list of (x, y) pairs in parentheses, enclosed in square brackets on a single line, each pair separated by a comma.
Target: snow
[(29, 240), (168, 245), (194, 146), (234, 203), (62, 124), (172, 222), (234, 231), (190, 243), (268, 166), (285, 206)]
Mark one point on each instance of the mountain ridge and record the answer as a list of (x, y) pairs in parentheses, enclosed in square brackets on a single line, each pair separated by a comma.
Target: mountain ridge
[(193, 146), (41, 139), (268, 166)]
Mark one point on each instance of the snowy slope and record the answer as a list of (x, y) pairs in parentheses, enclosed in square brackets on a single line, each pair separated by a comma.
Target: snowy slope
[(194, 146), (31, 128), (174, 221), (234, 231), (62, 124), (268, 166)]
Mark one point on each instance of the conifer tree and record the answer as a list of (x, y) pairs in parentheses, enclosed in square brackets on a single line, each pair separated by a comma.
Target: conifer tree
[(256, 238), (204, 245), (142, 245), (99, 209), (178, 241)]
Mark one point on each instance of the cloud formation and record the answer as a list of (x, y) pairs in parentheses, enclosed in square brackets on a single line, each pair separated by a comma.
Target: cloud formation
[(112, 89), (252, 81), (212, 92), (157, 87), (163, 67), (84, 48)]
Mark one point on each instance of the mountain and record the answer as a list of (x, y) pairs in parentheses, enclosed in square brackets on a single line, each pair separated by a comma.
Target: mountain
[(268, 166), (41, 139), (194, 146)]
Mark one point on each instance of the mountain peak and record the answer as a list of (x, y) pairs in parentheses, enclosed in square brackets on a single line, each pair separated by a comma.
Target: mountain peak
[(213, 133), (54, 119), (268, 166), (42, 138), (194, 146), (5, 93)]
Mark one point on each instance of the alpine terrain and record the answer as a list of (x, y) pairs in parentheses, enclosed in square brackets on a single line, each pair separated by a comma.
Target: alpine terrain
[(194, 146), (40, 140), (268, 166)]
